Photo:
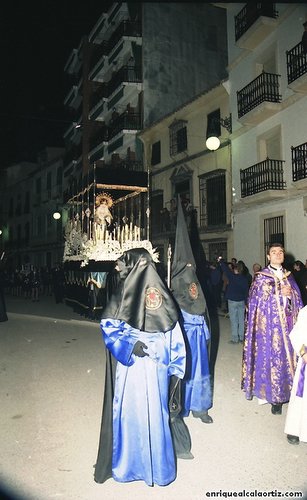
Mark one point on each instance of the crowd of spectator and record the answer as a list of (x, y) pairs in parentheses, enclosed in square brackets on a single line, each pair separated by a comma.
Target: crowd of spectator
[(32, 283), (219, 279)]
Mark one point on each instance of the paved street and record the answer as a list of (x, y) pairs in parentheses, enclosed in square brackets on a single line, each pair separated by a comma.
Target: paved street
[(51, 390)]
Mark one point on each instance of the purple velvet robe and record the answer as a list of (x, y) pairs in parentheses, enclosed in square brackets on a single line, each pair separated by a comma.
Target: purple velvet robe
[(268, 358)]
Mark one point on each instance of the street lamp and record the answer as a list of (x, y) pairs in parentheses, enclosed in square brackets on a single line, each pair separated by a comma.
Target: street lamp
[(212, 141), (56, 215)]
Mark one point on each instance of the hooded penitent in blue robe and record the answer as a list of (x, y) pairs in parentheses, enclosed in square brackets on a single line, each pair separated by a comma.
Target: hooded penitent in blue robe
[(196, 386), (136, 405)]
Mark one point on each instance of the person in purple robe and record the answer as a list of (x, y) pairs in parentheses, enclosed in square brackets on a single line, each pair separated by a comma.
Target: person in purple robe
[(269, 360)]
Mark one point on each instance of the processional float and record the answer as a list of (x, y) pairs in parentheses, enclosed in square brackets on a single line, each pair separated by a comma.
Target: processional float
[(106, 217)]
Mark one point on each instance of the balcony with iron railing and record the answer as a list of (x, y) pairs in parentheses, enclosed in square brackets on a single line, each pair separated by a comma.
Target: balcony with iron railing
[(125, 121), (98, 51), (99, 92), (126, 74), (98, 136), (260, 99), (254, 23), (297, 68), (126, 28), (73, 98), (299, 164), (263, 177)]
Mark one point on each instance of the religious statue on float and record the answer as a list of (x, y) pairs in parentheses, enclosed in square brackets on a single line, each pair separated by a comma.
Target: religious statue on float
[(102, 213), (102, 217)]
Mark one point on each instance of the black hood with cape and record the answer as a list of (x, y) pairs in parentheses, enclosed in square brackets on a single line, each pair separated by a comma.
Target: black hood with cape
[(142, 299), (184, 282)]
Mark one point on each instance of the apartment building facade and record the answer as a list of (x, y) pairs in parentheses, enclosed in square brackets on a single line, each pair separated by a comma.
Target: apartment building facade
[(30, 194), (181, 165), (268, 101), (140, 61)]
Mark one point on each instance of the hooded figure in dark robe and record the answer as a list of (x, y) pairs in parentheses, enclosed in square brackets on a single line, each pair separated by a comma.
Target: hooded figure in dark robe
[(196, 385), (145, 348)]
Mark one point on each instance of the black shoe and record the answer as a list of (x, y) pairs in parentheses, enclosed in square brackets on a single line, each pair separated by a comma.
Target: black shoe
[(276, 409), (204, 417), (292, 439)]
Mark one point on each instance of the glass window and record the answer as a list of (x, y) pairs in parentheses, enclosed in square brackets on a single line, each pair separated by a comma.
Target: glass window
[(212, 191), (178, 137), (214, 124), (273, 232), (156, 153)]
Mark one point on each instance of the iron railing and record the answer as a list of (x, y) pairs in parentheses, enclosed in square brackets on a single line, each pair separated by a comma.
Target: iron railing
[(263, 176), (263, 88), (125, 121), (98, 136), (98, 51), (249, 15), (126, 28), (99, 93), (299, 162), (296, 63), (128, 74)]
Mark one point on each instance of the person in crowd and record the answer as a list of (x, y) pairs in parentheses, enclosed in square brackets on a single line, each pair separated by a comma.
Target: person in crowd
[(165, 219), (46, 281), (225, 282), (300, 275), (236, 295), (245, 272), (58, 280), (268, 358), (145, 348), (296, 419), (256, 268), (217, 283), (35, 284), (196, 385), (26, 285)]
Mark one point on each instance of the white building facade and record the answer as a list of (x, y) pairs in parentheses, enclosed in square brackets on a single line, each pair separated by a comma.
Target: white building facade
[(180, 164), (268, 101)]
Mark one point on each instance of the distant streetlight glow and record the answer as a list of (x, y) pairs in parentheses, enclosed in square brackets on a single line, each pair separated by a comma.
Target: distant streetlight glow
[(56, 215)]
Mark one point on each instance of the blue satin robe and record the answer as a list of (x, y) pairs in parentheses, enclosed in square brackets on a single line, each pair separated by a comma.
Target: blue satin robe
[(142, 442), (197, 390)]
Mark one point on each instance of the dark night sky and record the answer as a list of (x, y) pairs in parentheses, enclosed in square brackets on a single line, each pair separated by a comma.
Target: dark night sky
[(37, 37)]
